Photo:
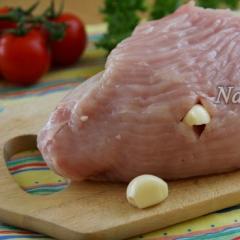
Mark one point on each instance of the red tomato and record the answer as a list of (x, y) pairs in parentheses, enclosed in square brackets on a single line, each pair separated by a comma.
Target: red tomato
[(68, 50), (4, 25), (24, 59)]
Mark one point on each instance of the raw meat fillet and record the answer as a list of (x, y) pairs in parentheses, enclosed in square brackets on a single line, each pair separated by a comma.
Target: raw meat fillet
[(127, 120)]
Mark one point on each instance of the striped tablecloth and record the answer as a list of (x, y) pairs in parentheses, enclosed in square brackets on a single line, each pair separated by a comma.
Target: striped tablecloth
[(33, 176)]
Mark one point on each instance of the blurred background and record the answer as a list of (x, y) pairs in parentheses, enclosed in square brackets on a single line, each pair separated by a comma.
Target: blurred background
[(88, 10), (86, 35)]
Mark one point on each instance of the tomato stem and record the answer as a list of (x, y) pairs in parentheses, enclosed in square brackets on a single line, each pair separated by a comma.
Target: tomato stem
[(56, 30), (51, 12), (31, 8), (16, 14), (26, 21)]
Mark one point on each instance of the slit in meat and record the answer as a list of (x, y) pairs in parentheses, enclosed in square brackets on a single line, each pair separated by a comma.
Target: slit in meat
[(198, 129)]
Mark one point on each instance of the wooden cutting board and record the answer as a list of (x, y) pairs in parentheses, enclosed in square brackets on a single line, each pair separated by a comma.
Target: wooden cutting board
[(94, 210)]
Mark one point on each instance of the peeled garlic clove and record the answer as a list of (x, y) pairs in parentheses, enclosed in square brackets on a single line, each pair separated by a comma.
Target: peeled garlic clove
[(146, 190), (196, 116)]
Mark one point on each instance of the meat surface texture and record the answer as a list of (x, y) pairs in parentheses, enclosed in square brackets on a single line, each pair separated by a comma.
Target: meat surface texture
[(127, 120)]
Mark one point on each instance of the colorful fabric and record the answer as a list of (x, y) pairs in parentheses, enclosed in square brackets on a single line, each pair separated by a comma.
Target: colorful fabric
[(33, 176), (8, 232)]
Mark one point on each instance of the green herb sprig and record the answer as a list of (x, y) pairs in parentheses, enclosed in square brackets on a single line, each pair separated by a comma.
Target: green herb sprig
[(161, 8), (122, 16)]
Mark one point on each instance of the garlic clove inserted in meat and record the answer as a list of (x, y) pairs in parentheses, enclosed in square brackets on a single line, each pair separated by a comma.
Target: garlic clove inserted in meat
[(196, 116)]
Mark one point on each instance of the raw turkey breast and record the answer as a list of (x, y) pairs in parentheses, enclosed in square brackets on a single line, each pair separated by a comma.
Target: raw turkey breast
[(127, 120)]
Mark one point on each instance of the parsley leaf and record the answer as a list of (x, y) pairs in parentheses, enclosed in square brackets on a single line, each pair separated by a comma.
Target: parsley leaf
[(161, 8), (122, 17)]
